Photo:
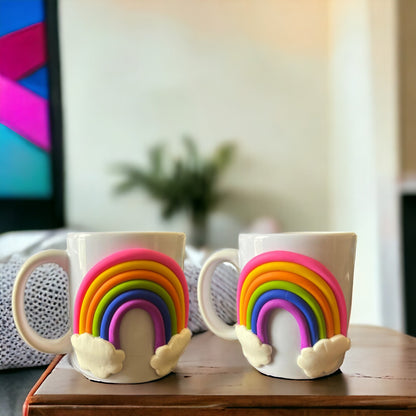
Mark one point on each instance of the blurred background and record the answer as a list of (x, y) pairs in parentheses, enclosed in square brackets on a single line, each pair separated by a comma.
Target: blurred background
[(316, 96)]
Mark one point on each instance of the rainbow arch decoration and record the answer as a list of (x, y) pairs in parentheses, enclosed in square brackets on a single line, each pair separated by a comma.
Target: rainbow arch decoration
[(298, 284), (134, 278)]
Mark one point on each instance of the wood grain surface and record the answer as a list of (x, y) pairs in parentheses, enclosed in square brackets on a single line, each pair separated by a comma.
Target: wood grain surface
[(378, 376)]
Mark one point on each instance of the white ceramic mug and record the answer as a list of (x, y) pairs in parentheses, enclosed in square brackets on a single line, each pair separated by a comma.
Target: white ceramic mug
[(129, 304), (293, 301)]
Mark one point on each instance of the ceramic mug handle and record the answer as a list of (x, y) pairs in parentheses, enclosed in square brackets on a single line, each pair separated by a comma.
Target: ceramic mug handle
[(206, 306), (55, 346)]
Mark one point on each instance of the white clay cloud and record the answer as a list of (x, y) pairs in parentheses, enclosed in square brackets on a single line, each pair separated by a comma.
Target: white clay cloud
[(257, 354), (166, 357), (97, 355), (325, 357)]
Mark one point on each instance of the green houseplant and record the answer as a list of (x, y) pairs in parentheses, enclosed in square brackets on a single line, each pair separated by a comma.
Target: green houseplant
[(189, 183)]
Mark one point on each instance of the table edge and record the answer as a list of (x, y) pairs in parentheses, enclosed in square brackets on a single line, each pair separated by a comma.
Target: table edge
[(30, 396)]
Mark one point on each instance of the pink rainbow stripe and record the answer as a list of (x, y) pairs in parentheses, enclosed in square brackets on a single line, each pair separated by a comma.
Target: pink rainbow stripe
[(308, 262), (23, 51), (152, 310), (305, 339), (122, 257), (25, 113)]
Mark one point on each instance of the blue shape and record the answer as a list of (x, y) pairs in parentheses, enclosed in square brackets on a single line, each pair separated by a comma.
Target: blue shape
[(37, 82), (295, 300), (25, 170), (17, 14), (133, 295)]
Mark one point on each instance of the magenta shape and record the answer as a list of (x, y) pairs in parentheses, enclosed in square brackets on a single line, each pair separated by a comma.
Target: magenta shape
[(305, 339), (25, 113), (308, 262), (152, 310), (123, 256), (23, 51)]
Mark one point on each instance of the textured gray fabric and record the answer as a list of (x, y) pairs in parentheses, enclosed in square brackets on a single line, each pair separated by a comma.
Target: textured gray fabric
[(224, 288), (46, 306), (46, 298)]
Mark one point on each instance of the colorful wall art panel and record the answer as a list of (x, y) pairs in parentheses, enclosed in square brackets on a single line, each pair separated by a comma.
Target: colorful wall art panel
[(25, 143)]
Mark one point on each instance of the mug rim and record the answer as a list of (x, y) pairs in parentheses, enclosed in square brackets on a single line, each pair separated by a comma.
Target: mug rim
[(300, 233), (108, 233)]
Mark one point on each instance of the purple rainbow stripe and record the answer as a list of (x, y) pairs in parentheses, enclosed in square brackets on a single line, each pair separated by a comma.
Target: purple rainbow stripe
[(308, 262), (305, 339), (152, 310), (105, 326)]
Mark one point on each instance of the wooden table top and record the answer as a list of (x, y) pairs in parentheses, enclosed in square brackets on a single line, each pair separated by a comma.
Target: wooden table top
[(213, 377)]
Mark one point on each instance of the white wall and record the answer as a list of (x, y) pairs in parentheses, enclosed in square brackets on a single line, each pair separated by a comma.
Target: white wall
[(136, 72), (306, 88), (364, 152)]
